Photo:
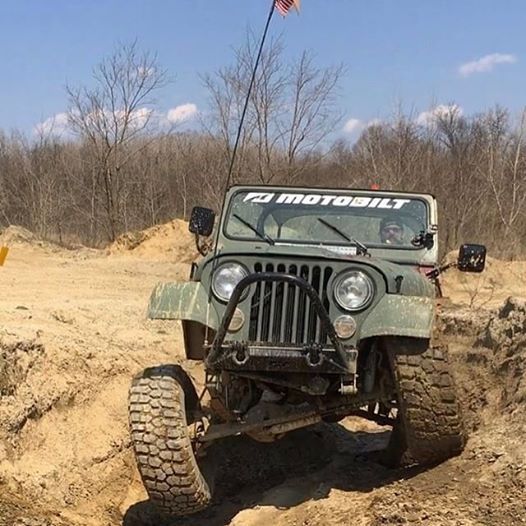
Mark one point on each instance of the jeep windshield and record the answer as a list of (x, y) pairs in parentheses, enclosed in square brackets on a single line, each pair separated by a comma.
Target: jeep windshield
[(327, 218)]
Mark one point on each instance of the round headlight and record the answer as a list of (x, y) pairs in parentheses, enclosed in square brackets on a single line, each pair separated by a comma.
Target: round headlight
[(225, 279), (353, 290)]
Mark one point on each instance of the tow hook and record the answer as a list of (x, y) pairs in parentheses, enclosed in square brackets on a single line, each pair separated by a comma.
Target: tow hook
[(313, 355), (240, 355)]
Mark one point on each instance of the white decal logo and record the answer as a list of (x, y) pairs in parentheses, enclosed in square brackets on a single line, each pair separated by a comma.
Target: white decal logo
[(258, 197), (324, 200)]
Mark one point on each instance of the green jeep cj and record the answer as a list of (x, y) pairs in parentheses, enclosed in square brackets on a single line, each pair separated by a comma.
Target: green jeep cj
[(310, 305)]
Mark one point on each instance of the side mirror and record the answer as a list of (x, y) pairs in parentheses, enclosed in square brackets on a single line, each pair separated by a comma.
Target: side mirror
[(201, 221), (471, 258)]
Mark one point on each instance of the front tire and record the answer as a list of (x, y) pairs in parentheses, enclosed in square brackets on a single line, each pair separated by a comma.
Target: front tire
[(159, 421), (429, 428)]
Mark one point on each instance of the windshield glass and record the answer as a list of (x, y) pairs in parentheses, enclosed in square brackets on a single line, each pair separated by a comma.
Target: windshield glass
[(283, 216)]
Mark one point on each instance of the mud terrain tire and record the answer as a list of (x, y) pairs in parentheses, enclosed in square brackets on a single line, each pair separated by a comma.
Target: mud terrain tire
[(159, 421), (429, 426)]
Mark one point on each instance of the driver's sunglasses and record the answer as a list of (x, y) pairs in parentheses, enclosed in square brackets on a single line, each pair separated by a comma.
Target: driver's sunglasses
[(393, 229)]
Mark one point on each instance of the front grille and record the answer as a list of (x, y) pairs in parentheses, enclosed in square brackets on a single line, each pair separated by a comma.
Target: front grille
[(282, 313)]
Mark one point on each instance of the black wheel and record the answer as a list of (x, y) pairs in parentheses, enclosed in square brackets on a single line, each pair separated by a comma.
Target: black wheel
[(162, 403), (428, 429)]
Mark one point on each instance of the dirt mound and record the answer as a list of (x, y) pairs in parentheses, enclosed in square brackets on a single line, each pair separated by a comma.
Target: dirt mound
[(492, 362), (488, 289), (19, 235), (168, 241), (73, 332), (22, 238), (458, 321), (505, 334)]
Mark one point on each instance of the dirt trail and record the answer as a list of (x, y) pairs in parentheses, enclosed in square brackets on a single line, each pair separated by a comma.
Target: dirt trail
[(73, 332)]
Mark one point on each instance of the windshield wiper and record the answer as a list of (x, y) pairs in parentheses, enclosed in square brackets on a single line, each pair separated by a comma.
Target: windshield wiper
[(362, 248), (264, 237)]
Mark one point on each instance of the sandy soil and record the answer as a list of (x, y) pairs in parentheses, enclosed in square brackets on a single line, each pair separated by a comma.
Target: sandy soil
[(73, 332), (488, 289)]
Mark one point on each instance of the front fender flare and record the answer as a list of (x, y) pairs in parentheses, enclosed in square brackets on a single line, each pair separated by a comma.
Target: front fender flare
[(182, 301), (396, 315)]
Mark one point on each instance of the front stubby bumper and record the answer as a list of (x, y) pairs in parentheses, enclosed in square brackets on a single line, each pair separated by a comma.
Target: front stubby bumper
[(304, 357)]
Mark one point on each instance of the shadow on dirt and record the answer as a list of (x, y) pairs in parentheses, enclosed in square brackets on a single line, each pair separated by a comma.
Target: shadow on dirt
[(305, 465)]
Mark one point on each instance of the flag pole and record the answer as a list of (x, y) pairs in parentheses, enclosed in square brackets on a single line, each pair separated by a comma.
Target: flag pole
[(249, 92), (236, 144)]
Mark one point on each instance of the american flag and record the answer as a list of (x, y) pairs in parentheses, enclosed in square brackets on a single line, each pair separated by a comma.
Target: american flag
[(283, 6)]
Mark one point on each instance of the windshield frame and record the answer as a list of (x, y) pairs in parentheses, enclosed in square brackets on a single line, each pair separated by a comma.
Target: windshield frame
[(340, 192)]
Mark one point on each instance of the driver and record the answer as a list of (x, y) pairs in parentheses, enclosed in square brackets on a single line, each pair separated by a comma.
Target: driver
[(391, 231)]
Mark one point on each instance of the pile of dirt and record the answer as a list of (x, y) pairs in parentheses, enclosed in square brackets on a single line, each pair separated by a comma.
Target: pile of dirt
[(505, 334), (493, 358), (488, 289), (488, 350), (73, 332), (18, 237), (170, 241), (18, 234), (459, 321)]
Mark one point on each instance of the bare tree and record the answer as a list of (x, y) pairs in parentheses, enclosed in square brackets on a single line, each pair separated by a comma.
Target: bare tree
[(110, 116), (517, 170), (459, 147), (394, 154), (291, 112), (505, 169)]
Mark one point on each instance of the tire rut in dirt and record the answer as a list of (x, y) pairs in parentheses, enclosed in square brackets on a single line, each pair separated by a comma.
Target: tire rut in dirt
[(429, 428), (159, 421)]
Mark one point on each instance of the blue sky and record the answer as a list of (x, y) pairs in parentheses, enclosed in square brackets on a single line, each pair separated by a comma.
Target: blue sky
[(404, 51)]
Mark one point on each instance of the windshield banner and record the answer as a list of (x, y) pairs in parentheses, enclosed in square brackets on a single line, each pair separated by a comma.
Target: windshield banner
[(325, 200)]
